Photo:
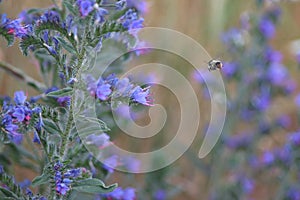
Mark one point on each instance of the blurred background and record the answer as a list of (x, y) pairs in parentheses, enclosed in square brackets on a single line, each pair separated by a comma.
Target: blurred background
[(205, 21)]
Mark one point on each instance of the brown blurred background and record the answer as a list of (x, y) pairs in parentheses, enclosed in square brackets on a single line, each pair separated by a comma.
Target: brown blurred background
[(204, 21)]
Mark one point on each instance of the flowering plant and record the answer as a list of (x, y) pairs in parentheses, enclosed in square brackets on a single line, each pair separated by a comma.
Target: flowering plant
[(64, 39)]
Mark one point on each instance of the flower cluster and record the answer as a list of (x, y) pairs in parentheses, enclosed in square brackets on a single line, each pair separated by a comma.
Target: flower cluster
[(113, 88), (63, 178), (17, 117)]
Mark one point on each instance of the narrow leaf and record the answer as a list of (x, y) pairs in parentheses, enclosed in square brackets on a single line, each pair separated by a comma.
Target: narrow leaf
[(66, 46), (93, 186), (60, 93)]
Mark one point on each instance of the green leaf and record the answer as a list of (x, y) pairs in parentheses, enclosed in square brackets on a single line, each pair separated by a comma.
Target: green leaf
[(30, 41), (60, 93), (66, 46), (88, 125), (40, 180), (107, 27), (93, 186), (70, 7), (55, 27), (51, 127), (8, 193), (9, 37)]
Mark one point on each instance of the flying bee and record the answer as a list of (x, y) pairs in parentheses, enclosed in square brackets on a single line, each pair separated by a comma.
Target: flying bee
[(214, 65)]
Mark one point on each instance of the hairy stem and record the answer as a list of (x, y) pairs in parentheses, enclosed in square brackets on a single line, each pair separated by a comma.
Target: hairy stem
[(17, 73)]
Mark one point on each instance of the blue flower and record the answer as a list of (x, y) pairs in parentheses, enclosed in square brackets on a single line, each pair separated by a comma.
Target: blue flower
[(64, 101), (160, 195), (99, 15), (111, 163), (131, 20), (20, 98), (267, 27), (141, 95), (62, 188), (51, 16), (85, 7), (141, 5), (297, 100), (73, 173), (129, 194), (100, 141), (103, 90), (277, 74), (120, 5)]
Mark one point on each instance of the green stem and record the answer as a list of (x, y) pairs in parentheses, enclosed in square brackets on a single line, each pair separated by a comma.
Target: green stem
[(67, 132), (10, 69)]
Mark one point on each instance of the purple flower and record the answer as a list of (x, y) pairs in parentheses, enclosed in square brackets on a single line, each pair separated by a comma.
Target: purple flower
[(25, 184), (85, 7), (121, 4), (121, 194), (15, 27), (266, 27), (19, 113), (277, 74), (129, 194), (141, 5), (73, 173), (131, 20), (132, 164), (64, 101), (36, 138), (20, 98), (103, 90), (62, 188), (123, 88), (117, 193), (100, 141), (297, 100), (99, 15), (268, 158), (58, 165), (111, 163), (51, 16), (261, 101), (229, 69), (294, 138), (141, 95), (160, 195), (273, 56), (240, 141), (247, 185)]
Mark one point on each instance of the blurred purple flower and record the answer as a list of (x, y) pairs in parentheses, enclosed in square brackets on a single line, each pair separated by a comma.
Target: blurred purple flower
[(85, 7), (100, 141), (297, 100), (268, 158), (160, 195), (62, 188), (111, 163), (131, 164), (283, 121), (229, 69), (141, 95), (141, 5), (103, 90), (240, 141), (20, 97), (277, 74), (266, 27), (294, 138), (64, 101)]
